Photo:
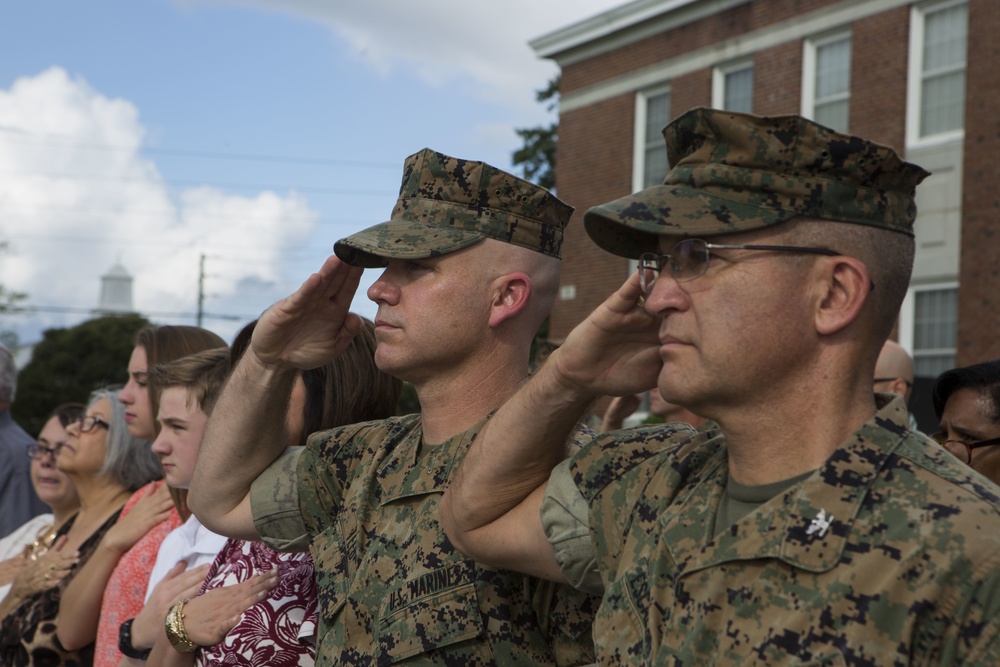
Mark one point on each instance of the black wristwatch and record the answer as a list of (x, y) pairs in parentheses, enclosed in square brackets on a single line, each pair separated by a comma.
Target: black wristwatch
[(125, 642)]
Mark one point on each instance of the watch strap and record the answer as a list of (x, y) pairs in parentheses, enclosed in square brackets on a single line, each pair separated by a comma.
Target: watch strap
[(125, 642)]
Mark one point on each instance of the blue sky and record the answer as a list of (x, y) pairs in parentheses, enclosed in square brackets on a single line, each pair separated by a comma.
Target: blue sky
[(255, 132)]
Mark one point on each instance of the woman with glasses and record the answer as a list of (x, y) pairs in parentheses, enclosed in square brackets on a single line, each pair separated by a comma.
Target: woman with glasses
[(106, 465), (113, 586), (20, 551), (967, 403)]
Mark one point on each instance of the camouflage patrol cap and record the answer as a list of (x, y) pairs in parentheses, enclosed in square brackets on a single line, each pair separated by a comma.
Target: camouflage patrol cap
[(734, 172), (446, 204)]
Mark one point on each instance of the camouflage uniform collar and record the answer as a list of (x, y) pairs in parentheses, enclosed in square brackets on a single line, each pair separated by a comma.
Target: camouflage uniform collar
[(809, 525), (414, 468)]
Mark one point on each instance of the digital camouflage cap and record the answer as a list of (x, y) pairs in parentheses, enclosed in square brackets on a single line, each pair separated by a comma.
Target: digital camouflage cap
[(734, 172), (446, 204)]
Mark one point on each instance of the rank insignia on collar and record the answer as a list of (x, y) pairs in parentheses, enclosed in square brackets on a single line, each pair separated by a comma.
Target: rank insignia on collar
[(820, 524)]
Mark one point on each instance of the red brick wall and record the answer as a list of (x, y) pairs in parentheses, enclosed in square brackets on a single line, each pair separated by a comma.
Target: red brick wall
[(879, 58), (594, 165), (689, 91), (979, 275), (777, 79)]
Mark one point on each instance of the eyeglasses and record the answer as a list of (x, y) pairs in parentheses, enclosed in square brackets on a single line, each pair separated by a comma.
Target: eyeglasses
[(961, 448), (39, 452), (88, 423), (688, 259)]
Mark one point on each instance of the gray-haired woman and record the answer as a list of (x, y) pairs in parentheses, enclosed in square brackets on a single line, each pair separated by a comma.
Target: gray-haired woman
[(106, 465)]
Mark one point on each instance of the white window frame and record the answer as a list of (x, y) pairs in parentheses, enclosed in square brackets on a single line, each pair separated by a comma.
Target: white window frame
[(719, 74), (639, 134), (915, 76), (810, 48), (907, 312)]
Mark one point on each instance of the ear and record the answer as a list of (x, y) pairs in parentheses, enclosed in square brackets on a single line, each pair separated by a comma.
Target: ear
[(846, 284), (511, 293)]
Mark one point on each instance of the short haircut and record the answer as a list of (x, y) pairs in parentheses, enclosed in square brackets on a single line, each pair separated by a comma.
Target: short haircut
[(887, 254), (203, 374), (983, 378), (8, 376), (128, 460)]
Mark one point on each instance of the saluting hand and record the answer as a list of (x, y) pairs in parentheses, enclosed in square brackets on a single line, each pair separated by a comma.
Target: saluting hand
[(313, 325), (615, 351)]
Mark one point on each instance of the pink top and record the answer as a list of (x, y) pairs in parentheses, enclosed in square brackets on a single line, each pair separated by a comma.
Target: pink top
[(126, 590), (279, 631)]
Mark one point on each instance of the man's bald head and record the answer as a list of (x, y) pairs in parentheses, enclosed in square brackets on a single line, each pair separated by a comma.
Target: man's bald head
[(894, 370)]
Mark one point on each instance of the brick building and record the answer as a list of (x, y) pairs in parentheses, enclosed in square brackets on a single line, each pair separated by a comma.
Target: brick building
[(919, 76)]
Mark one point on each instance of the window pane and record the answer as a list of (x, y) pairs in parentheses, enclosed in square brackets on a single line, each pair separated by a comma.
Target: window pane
[(935, 326), (832, 115), (942, 94), (833, 68), (739, 90), (655, 155), (656, 166), (943, 104), (944, 38), (657, 117)]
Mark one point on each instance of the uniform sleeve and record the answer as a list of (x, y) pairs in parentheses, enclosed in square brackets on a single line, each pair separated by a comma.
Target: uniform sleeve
[(565, 518), (274, 501)]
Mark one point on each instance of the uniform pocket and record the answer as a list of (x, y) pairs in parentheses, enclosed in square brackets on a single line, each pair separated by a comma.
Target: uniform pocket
[(432, 611), (330, 558)]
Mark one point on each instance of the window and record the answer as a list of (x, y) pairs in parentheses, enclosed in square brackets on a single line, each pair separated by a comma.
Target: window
[(937, 65), (826, 85), (935, 329), (652, 115), (732, 87)]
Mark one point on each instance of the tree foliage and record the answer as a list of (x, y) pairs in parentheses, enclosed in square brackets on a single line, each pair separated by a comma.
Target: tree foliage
[(67, 364), (538, 154)]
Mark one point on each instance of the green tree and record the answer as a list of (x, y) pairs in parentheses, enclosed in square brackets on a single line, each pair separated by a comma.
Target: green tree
[(538, 154), (67, 364)]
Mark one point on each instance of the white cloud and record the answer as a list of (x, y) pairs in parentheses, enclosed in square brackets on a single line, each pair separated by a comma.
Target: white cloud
[(446, 42), (77, 195)]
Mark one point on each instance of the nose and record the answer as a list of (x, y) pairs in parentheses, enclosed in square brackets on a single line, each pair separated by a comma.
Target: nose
[(125, 395), (384, 289), (160, 446), (666, 295)]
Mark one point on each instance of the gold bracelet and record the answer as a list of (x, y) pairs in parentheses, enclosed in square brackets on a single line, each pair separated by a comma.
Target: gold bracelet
[(176, 633)]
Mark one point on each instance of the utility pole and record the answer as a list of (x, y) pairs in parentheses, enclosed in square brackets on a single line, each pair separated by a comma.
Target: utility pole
[(201, 289)]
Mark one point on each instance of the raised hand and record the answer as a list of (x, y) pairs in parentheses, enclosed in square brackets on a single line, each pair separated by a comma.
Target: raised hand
[(313, 325), (615, 351)]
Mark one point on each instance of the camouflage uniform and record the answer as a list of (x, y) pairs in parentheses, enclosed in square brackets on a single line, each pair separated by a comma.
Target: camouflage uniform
[(392, 589), (888, 554), (901, 568)]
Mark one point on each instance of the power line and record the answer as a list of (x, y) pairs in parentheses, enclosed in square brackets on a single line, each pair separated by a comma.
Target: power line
[(30, 310), (8, 133), (230, 186)]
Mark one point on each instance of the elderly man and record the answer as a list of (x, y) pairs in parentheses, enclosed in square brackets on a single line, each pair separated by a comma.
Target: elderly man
[(811, 526), (471, 257), (18, 500), (894, 374)]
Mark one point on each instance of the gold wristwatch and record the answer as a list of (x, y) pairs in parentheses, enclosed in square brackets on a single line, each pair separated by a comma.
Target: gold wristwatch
[(176, 633)]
